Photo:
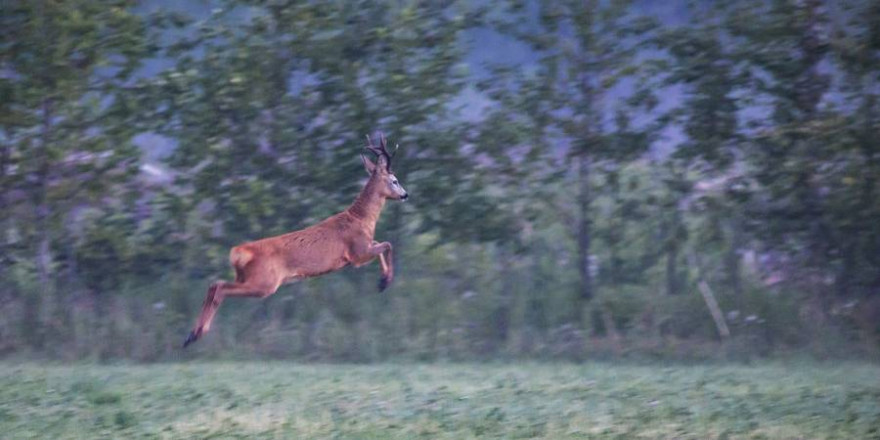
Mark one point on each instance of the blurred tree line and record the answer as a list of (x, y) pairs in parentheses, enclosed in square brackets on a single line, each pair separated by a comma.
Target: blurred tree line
[(700, 190)]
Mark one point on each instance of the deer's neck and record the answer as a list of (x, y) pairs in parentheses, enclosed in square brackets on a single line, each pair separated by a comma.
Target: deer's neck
[(368, 204)]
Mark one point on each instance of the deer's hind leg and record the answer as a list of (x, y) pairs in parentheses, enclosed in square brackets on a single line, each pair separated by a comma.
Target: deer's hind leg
[(253, 286)]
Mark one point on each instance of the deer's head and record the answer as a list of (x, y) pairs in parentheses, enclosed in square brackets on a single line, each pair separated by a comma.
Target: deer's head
[(380, 170)]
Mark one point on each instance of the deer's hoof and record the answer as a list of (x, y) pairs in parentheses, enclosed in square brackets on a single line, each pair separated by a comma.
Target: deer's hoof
[(383, 284), (193, 336)]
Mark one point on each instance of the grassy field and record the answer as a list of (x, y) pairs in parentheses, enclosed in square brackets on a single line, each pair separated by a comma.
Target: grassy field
[(454, 401)]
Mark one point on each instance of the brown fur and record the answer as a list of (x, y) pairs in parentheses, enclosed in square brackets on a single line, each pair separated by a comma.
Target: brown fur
[(343, 239)]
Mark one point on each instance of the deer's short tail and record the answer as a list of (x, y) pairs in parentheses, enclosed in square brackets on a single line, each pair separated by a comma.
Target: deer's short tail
[(240, 256)]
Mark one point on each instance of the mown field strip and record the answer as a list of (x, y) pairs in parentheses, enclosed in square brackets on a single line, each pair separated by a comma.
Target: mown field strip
[(445, 401)]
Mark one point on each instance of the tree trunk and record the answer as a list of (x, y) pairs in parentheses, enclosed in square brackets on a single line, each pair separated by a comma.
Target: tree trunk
[(584, 233), (502, 312), (43, 252), (733, 262), (672, 270), (672, 249), (611, 330), (584, 236), (5, 204)]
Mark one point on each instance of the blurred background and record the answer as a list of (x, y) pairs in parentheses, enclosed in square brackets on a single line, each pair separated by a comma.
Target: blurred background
[(681, 180)]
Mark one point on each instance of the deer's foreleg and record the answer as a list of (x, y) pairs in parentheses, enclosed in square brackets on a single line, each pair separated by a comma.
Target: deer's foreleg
[(361, 254), (216, 293), (386, 262)]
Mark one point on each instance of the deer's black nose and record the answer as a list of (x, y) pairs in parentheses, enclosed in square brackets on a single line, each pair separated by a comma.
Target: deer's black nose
[(404, 197)]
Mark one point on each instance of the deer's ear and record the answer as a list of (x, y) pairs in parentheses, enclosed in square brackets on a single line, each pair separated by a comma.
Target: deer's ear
[(368, 164)]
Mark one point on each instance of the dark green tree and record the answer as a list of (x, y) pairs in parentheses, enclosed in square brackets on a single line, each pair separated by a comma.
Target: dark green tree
[(855, 184), (66, 128), (783, 44), (585, 51), (702, 63)]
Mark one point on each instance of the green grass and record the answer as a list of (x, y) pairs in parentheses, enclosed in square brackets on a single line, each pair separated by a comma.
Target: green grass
[(452, 401)]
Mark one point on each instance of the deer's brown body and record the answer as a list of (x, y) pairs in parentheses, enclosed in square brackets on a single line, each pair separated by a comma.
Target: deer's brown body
[(343, 239)]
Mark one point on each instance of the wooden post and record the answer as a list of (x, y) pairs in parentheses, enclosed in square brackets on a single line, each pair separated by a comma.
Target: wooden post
[(709, 298), (714, 309)]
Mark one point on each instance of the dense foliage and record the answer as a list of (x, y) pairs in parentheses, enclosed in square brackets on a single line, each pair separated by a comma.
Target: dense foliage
[(631, 187)]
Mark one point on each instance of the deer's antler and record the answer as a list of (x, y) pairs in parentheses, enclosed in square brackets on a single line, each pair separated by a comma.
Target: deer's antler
[(382, 150)]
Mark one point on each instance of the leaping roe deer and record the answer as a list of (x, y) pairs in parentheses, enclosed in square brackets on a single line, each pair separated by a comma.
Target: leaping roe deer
[(346, 238)]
